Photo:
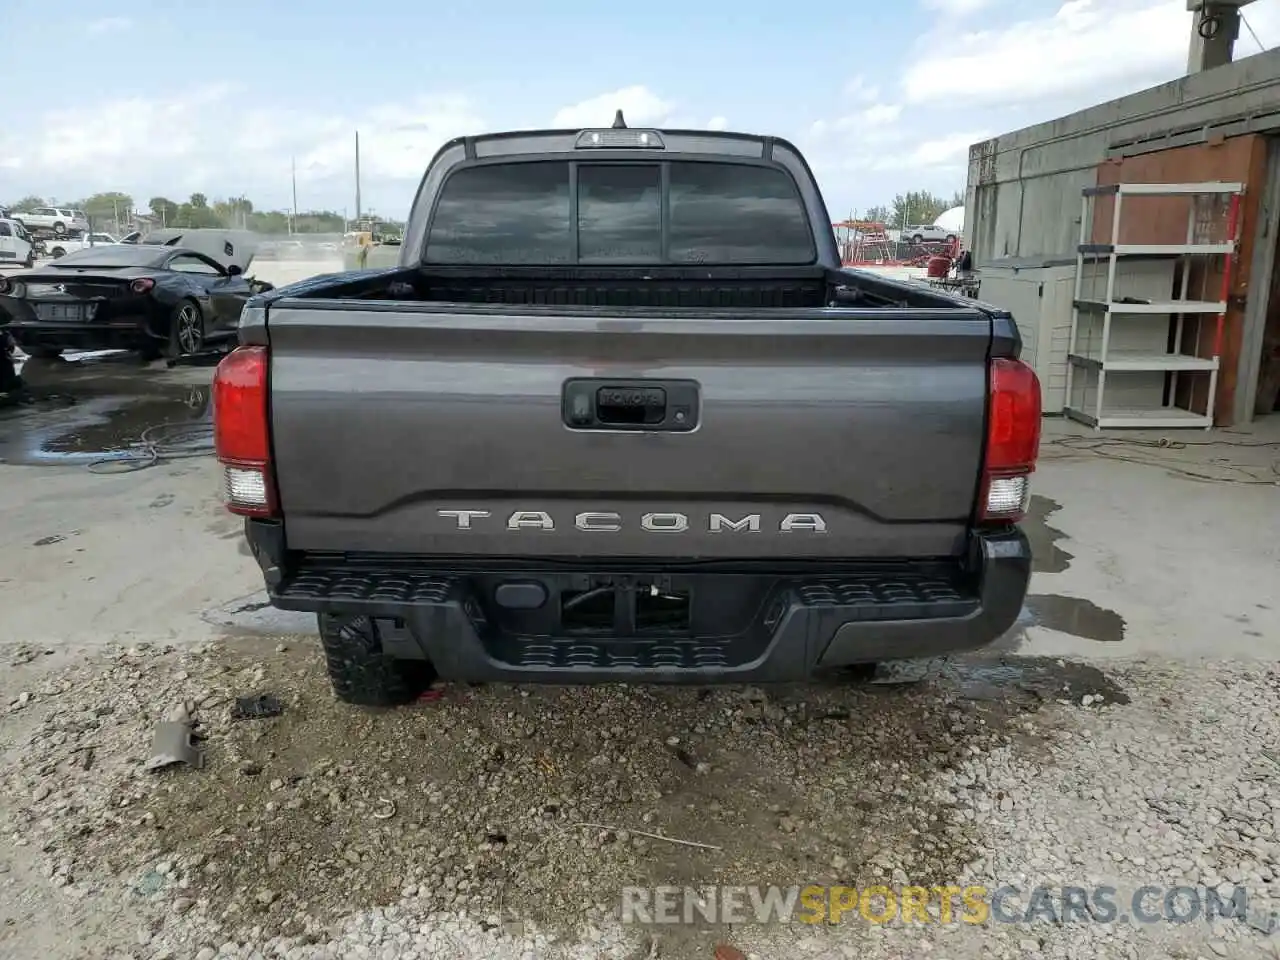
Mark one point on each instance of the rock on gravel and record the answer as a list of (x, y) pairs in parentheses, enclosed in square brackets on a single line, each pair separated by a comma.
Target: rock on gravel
[(497, 822)]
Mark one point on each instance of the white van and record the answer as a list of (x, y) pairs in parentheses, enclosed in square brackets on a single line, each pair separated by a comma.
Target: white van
[(15, 244)]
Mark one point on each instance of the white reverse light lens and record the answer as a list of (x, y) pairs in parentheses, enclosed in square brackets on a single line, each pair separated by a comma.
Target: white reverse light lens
[(245, 487), (1007, 495)]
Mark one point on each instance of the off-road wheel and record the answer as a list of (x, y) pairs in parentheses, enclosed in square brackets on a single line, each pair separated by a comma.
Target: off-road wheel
[(59, 229), (360, 672)]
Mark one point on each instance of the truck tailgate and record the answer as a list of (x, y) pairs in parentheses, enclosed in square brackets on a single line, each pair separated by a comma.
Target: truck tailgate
[(821, 433)]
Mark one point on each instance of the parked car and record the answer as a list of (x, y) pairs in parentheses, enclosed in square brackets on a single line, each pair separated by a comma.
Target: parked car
[(60, 221), (61, 247), (653, 431), (16, 245), (158, 300), (928, 233)]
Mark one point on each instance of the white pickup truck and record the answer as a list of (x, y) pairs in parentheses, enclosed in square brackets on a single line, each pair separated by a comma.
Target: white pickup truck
[(61, 246)]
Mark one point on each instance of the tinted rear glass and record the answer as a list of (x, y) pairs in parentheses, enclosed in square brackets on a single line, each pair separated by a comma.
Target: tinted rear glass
[(718, 213), (731, 213), (503, 213), (619, 213)]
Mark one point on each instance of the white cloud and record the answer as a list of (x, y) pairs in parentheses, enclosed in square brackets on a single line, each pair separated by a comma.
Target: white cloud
[(640, 107), (215, 137), (966, 79), (858, 88), (872, 124), (223, 141), (951, 150), (1095, 49), (880, 114), (958, 8), (108, 25)]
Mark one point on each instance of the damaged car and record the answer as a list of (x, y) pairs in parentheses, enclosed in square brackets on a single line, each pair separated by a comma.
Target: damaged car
[(157, 299)]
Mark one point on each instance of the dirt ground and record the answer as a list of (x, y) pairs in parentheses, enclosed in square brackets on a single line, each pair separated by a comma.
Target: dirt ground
[(499, 821)]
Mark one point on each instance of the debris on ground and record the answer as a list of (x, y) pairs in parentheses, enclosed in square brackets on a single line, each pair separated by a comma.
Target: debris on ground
[(256, 708), (173, 742)]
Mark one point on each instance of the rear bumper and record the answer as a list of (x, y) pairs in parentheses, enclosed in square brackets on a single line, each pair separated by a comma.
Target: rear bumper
[(755, 626), (119, 334)]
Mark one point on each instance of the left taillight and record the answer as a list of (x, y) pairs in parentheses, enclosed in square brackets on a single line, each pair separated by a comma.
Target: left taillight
[(241, 431), (1013, 442)]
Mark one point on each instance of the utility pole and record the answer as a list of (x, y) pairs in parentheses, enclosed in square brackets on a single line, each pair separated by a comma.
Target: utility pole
[(294, 171), (357, 178), (1215, 27)]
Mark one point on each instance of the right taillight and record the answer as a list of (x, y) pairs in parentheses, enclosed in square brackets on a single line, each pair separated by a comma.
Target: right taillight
[(241, 431), (1013, 442)]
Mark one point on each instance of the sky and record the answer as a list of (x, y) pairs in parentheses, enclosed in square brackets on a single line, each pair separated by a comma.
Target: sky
[(156, 97)]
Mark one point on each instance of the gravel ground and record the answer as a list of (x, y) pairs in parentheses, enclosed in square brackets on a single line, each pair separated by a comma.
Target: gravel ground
[(453, 828)]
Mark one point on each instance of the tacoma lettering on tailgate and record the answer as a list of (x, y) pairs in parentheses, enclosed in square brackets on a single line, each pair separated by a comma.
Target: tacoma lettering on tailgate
[(606, 521)]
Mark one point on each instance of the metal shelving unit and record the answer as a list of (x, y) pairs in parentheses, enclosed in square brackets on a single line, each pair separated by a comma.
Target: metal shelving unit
[(1095, 361)]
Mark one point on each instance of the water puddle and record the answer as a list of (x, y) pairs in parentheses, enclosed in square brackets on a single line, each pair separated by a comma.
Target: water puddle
[(177, 419), (1041, 678), (1046, 555), (1076, 616)]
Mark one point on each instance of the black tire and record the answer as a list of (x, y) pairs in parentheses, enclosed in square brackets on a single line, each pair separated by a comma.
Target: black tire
[(57, 253), (59, 229), (186, 330), (43, 353), (360, 673), (951, 238), (917, 239)]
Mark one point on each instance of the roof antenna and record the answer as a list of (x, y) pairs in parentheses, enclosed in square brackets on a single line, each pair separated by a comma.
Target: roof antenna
[(618, 122)]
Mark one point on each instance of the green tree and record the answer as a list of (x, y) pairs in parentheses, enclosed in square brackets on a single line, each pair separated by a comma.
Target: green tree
[(957, 199), (234, 212), (269, 221), (880, 214), (111, 206), (196, 213), (26, 204), (164, 210), (916, 207)]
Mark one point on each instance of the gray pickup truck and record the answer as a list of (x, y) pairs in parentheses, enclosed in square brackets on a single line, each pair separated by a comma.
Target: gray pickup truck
[(620, 414)]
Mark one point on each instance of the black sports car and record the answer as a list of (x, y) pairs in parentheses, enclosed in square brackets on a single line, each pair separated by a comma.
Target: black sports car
[(159, 300)]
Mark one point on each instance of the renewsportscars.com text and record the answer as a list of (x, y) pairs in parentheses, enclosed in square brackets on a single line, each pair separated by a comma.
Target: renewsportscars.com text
[(972, 904)]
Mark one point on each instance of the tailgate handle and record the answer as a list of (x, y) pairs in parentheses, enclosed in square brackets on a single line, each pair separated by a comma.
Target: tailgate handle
[(649, 405)]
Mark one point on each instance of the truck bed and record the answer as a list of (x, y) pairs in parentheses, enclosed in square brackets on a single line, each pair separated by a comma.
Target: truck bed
[(663, 288)]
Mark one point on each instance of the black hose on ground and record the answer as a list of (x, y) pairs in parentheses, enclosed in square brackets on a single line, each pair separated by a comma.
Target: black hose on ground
[(162, 443)]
